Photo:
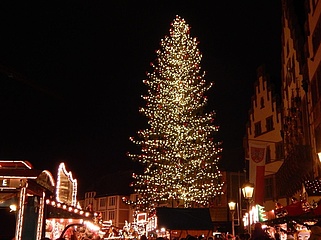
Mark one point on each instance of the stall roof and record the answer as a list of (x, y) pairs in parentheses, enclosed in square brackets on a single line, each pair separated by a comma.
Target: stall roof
[(19, 173), (55, 212), (15, 164), (184, 218)]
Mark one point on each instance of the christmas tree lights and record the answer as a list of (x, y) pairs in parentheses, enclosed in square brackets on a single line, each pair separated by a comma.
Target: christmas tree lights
[(179, 155)]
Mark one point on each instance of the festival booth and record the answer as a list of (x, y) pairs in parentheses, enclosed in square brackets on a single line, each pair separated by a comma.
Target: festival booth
[(64, 218), (34, 207), (298, 217), (177, 223), (22, 199), (168, 223)]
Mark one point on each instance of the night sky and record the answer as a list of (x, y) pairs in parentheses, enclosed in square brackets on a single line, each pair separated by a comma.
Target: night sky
[(71, 75)]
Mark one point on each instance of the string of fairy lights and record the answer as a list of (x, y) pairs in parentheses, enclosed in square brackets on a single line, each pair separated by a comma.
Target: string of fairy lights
[(178, 151)]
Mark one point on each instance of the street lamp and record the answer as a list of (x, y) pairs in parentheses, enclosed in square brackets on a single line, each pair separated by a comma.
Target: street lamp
[(232, 206), (248, 190)]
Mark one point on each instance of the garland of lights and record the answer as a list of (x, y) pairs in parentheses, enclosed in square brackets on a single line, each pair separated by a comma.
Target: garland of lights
[(177, 150), (72, 209), (41, 215)]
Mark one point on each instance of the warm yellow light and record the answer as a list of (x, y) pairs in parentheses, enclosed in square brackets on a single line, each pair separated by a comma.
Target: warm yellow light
[(13, 208), (248, 190), (178, 150), (232, 206)]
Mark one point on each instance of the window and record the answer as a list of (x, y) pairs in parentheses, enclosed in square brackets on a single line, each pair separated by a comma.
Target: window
[(262, 102), (111, 215), (316, 36), (289, 72), (314, 91), (279, 151), (112, 201), (258, 129), (268, 155), (269, 124), (268, 187), (318, 138), (102, 202), (103, 215), (90, 194)]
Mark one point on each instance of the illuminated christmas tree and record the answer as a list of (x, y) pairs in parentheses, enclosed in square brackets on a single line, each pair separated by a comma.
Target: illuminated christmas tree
[(178, 153)]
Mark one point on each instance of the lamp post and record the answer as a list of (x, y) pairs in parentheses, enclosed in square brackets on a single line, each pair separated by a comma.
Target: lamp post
[(248, 190), (232, 206)]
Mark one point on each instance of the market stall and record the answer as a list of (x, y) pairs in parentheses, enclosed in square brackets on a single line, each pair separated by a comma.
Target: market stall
[(63, 215), (23, 191), (180, 222), (298, 217)]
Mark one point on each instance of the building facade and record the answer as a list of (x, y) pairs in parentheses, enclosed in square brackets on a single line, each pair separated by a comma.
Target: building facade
[(313, 64), (264, 145), (109, 208), (296, 127), (112, 210)]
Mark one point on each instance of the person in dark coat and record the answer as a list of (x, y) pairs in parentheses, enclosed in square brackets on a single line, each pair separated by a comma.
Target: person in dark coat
[(258, 233), (315, 233)]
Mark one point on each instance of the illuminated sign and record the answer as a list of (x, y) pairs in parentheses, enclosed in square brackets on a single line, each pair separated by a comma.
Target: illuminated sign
[(4, 182), (12, 182), (261, 213), (141, 217), (66, 190)]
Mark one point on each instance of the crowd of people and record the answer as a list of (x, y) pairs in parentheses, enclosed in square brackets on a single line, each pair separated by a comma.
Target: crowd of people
[(258, 233)]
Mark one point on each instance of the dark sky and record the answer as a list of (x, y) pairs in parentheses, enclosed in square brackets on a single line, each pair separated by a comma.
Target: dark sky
[(71, 74)]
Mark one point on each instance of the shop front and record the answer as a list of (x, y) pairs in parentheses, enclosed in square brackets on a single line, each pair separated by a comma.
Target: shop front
[(35, 206), (22, 199)]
